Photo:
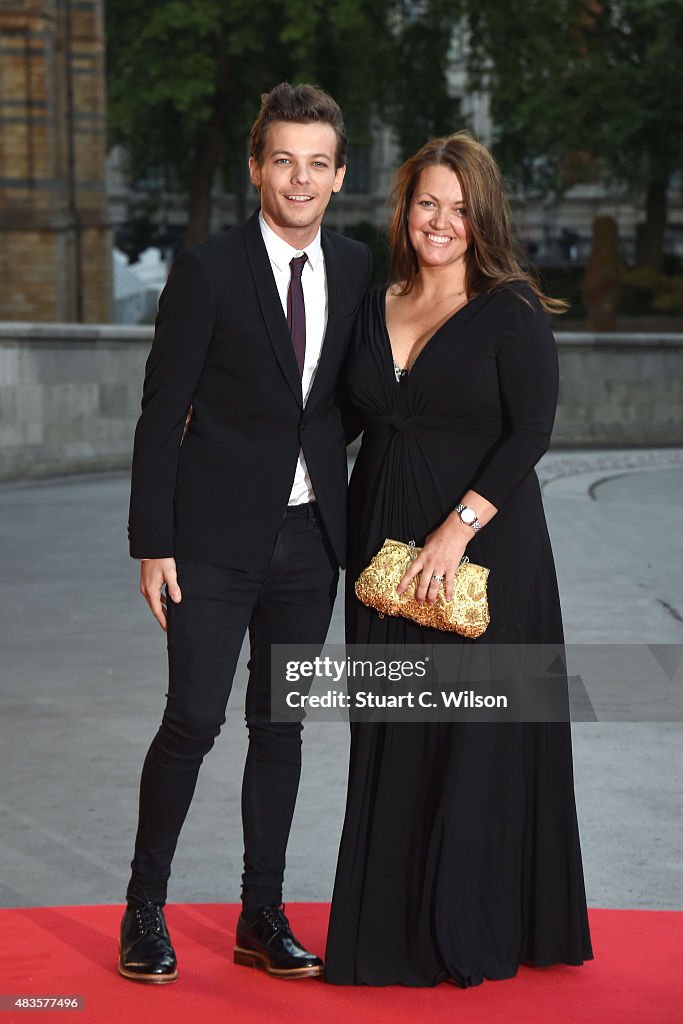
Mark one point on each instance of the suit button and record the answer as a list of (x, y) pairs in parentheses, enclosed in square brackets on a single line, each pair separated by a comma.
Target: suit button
[(302, 427)]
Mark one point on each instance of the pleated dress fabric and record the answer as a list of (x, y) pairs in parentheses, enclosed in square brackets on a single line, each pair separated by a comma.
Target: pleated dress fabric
[(460, 855)]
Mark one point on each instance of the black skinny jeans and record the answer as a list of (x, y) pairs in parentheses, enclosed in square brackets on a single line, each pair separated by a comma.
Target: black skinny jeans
[(288, 602)]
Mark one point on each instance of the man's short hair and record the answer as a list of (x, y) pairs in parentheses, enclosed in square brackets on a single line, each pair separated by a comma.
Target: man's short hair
[(300, 104)]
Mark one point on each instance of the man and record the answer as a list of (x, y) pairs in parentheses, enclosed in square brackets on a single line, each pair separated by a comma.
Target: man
[(242, 519)]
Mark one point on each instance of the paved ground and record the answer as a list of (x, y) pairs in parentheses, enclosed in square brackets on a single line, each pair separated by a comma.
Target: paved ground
[(83, 678)]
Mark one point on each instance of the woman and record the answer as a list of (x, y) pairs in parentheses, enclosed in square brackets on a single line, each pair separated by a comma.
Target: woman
[(460, 854)]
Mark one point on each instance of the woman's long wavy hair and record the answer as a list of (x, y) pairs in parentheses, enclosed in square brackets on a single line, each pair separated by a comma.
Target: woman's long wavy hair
[(493, 256)]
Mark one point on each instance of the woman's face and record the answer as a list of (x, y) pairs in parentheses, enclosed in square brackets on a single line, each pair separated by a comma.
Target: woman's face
[(437, 219)]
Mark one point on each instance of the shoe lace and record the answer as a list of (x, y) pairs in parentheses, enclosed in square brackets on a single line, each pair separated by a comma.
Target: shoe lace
[(275, 916), (149, 917)]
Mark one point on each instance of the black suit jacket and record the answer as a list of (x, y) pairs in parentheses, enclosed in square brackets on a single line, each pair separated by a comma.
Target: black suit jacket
[(222, 345)]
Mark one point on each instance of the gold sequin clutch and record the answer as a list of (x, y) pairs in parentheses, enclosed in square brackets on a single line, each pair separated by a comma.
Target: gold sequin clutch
[(467, 614)]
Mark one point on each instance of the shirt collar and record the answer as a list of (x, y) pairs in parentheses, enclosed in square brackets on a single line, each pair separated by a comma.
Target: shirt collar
[(280, 252)]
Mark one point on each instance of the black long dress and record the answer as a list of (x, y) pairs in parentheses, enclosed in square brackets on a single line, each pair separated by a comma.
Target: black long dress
[(460, 853)]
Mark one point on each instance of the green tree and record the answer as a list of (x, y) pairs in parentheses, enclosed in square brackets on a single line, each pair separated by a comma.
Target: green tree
[(585, 88), (184, 78), (416, 102)]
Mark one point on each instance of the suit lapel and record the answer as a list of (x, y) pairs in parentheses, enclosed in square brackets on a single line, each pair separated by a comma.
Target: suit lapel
[(271, 307), (326, 362)]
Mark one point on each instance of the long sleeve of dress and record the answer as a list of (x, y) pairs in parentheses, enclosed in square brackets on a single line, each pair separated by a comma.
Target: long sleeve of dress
[(183, 332), (528, 378)]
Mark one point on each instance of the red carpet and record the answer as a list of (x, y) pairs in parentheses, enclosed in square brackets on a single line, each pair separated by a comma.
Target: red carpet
[(637, 976)]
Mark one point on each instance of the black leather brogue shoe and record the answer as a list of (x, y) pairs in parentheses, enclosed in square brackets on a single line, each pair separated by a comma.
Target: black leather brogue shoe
[(145, 949), (266, 941)]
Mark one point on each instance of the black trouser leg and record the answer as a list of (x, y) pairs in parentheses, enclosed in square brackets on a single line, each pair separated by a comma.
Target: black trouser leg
[(295, 606), (205, 634), (289, 602)]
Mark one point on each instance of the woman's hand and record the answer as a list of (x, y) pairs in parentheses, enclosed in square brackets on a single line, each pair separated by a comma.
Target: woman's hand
[(440, 556)]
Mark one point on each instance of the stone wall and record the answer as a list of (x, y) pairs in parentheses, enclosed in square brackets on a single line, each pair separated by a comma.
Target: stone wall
[(619, 390), (70, 394)]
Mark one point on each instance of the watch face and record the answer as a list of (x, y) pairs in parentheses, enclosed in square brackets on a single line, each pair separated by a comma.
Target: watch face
[(468, 516)]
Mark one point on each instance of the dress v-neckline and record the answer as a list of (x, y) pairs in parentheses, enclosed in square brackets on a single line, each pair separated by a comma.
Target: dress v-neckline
[(406, 371)]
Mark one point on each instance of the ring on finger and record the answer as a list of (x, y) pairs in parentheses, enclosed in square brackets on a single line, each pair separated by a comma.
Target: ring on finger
[(437, 579)]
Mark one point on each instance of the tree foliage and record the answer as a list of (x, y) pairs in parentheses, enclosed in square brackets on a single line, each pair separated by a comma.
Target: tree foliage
[(582, 89), (418, 104), (185, 76)]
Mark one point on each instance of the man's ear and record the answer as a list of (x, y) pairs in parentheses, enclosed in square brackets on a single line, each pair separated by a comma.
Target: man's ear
[(254, 172), (339, 178)]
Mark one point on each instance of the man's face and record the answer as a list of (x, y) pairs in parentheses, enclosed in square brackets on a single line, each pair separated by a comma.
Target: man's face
[(296, 178)]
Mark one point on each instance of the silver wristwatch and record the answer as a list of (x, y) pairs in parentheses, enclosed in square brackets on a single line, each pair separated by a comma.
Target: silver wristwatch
[(468, 516)]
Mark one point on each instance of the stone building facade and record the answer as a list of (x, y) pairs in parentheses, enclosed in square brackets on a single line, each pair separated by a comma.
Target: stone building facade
[(55, 235)]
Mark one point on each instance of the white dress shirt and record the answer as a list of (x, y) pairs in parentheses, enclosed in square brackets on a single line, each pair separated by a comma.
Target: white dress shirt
[(314, 283)]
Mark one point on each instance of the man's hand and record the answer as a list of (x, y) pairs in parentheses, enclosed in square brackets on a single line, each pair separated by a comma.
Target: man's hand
[(154, 573)]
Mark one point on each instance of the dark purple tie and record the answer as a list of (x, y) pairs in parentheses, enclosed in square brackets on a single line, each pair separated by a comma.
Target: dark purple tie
[(296, 311)]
